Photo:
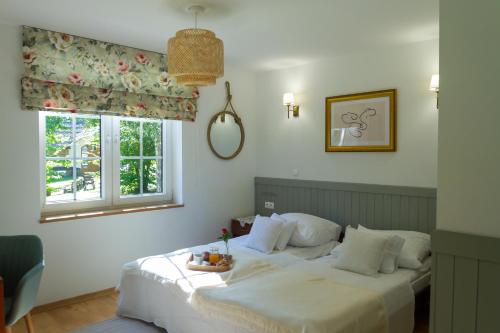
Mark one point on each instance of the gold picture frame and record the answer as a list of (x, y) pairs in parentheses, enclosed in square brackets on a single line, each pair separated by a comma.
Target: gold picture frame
[(361, 122)]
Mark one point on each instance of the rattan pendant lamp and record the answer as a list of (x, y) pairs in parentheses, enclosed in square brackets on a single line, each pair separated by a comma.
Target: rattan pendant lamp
[(195, 56)]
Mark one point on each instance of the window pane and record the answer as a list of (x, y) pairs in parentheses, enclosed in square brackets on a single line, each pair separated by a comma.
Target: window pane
[(151, 139), (88, 180), (129, 138), (129, 177), (152, 176), (88, 137), (59, 180), (58, 136)]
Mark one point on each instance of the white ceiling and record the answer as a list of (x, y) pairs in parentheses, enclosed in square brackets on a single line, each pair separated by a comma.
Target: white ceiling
[(257, 34)]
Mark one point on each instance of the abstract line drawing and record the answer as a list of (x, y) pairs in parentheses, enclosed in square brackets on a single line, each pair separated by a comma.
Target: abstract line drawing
[(358, 124), (361, 122)]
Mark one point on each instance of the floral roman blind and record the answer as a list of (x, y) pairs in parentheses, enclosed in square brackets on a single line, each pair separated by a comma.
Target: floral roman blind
[(73, 74)]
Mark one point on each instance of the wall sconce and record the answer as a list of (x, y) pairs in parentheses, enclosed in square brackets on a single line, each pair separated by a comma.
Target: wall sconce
[(434, 86), (289, 102)]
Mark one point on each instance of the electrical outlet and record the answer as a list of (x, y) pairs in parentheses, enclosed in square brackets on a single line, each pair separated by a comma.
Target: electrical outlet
[(269, 205)]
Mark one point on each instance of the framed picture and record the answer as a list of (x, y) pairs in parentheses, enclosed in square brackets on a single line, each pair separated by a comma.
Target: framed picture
[(361, 122)]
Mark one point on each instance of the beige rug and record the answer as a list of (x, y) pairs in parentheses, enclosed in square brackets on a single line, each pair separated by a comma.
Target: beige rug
[(121, 325)]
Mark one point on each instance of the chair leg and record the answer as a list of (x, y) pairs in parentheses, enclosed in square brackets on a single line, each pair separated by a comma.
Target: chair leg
[(29, 323)]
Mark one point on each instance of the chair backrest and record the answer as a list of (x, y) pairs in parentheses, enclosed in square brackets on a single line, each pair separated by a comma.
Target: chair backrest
[(2, 308), (18, 254)]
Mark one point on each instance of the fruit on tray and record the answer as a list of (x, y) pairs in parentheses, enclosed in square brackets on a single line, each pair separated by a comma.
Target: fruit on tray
[(224, 262)]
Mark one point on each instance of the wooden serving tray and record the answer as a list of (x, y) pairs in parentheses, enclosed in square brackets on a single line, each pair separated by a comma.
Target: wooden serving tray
[(208, 268)]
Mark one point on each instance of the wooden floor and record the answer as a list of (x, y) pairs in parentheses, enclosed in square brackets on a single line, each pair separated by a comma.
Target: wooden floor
[(68, 318), (71, 317)]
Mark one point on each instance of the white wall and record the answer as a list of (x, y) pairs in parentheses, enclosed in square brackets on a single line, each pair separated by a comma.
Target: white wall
[(285, 144), (469, 134), (86, 255)]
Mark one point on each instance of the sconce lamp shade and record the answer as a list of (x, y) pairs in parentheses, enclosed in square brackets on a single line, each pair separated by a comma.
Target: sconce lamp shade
[(434, 86), (288, 99), (289, 102)]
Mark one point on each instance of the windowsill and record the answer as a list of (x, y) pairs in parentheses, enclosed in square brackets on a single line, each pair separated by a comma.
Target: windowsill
[(60, 217)]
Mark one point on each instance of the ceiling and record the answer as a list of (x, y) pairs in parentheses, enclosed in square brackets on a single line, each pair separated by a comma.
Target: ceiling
[(257, 34)]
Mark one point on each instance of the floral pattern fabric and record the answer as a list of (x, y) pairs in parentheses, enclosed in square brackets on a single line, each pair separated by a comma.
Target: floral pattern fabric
[(49, 96), (76, 74)]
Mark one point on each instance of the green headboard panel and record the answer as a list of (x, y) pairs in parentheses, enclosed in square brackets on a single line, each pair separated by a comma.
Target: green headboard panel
[(374, 206)]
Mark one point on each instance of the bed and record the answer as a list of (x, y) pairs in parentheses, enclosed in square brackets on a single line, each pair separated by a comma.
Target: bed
[(259, 294), (295, 290)]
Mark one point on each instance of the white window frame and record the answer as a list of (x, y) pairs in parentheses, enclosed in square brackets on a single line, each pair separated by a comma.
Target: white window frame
[(110, 170), (167, 195)]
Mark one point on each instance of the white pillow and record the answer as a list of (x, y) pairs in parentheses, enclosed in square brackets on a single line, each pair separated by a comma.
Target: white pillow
[(337, 250), (275, 216), (264, 234), (312, 230), (362, 252), (390, 263), (426, 265), (416, 248), (312, 252), (286, 233), (392, 252)]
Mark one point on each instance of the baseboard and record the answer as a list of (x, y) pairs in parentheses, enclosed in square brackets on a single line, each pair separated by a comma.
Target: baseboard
[(74, 300)]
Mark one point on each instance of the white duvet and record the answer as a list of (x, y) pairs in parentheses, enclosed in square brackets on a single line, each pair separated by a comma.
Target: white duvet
[(290, 300), (280, 292)]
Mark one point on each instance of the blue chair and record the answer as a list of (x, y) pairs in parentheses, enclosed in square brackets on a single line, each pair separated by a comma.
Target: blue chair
[(21, 267)]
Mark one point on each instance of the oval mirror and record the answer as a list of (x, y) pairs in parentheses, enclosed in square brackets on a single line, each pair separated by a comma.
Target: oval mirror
[(226, 135)]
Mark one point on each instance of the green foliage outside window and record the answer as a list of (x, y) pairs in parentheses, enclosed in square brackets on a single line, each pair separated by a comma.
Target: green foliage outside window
[(59, 137), (59, 143), (130, 146)]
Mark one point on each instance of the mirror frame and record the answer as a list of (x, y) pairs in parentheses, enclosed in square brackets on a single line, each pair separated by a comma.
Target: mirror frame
[(242, 131)]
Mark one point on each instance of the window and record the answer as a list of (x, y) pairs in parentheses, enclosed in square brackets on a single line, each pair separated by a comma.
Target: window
[(102, 161), (140, 159), (72, 158)]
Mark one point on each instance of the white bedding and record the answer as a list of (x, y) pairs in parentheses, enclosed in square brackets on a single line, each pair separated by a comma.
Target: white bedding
[(393, 287), (294, 299), (307, 253), (158, 289)]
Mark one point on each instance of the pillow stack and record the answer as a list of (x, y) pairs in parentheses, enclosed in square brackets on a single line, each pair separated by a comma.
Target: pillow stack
[(362, 253), (264, 234), (312, 230), (287, 232), (368, 251), (296, 229), (417, 246)]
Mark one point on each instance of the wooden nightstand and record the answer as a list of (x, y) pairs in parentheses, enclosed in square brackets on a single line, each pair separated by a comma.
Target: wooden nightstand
[(241, 226)]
